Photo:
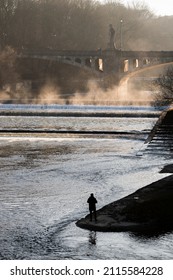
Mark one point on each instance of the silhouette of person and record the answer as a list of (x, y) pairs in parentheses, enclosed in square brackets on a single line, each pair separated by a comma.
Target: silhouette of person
[(111, 36), (92, 206)]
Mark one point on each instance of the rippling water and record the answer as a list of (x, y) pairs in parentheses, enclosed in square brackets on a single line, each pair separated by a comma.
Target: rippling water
[(46, 180)]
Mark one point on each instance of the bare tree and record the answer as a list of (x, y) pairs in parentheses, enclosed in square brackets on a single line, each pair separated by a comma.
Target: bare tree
[(8, 73), (164, 86), (81, 24), (7, 10)]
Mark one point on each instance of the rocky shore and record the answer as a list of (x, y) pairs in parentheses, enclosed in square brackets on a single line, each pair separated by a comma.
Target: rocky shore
[(148, 209)]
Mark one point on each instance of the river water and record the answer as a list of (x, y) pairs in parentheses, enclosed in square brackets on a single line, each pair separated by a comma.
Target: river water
[(46, 179)]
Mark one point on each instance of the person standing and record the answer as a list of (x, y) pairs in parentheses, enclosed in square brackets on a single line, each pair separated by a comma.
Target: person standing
[(92, 206)]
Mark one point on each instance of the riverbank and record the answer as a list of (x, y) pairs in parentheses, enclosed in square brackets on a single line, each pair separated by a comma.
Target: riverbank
[(148, 209)]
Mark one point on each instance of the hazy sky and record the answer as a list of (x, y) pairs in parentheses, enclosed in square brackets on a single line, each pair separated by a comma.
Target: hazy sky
[(159, 7)]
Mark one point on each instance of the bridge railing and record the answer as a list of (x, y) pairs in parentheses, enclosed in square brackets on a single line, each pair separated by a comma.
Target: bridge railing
[(50, 52)]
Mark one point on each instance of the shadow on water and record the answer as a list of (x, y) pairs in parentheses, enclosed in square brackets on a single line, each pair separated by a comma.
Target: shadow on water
[(149, 235), (92, 238)]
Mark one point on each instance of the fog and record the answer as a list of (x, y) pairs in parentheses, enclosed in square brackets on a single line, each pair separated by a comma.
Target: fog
[(137, 87), (125, 93)]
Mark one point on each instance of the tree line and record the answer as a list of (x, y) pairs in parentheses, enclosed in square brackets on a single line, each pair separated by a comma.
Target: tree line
[(81, 25)]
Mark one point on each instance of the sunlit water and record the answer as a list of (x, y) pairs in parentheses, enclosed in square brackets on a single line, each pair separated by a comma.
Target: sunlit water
[(46, 180)]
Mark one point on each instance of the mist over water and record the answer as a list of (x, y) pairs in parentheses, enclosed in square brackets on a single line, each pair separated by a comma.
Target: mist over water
[(50, 93), (135, 88)]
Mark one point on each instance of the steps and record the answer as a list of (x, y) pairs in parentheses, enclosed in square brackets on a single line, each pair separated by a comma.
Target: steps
[(160, 140)]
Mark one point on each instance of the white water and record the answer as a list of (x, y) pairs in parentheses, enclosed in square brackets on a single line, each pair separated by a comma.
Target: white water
[(45, 182), (69, 108)]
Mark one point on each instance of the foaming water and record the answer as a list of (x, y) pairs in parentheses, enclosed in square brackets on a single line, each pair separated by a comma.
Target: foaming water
[(77, 107), (46, 180)]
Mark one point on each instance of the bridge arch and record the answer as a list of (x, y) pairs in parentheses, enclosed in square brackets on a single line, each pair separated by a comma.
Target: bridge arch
[(68, 58), (78, 60)]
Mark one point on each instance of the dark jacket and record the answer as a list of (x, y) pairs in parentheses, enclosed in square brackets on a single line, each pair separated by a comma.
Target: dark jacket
[(92, 202)]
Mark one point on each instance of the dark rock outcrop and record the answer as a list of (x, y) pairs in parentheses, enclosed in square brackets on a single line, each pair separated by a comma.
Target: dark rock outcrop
[(149, 208), (167, 169)]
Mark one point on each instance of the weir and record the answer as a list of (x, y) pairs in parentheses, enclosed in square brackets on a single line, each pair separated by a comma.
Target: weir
[(66, 116), (78, 111)]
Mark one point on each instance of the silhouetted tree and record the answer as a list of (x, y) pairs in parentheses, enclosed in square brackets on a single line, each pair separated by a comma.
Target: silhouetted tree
[(81, 24), (7, 10), (164, 86), (8, 73)]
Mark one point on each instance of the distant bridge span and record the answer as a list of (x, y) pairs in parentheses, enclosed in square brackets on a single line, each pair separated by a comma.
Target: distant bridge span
[(103, 61)]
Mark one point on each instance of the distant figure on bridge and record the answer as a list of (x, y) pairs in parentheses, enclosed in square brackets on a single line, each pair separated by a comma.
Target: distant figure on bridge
[(92, 206), (111, 37)]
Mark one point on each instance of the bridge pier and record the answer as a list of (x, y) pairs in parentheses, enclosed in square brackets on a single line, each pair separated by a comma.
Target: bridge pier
[(111, 61)]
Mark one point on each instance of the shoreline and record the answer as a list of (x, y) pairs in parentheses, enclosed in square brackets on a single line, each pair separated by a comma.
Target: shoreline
[(147, 210)]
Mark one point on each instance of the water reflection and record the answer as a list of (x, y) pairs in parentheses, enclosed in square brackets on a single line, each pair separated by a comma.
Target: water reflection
[(92, 237), (150, 235)]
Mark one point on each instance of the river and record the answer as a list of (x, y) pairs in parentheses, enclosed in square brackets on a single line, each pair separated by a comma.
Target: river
[(46, 179)]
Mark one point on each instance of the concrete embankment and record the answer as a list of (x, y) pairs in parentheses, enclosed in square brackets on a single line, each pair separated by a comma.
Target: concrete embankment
[(160, 139), (148, 209)]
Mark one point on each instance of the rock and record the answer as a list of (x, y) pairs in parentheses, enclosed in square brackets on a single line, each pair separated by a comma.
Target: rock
[(167, 169), (149, 208)]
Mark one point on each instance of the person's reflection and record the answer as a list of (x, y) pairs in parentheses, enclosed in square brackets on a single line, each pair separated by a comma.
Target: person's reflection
[(92, 237)]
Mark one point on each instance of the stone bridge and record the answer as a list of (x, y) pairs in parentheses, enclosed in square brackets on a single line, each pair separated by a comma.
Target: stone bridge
[(72, 70), (105, 62)]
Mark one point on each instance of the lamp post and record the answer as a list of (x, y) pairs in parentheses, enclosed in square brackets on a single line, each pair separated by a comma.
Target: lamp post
[(121, 34)]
